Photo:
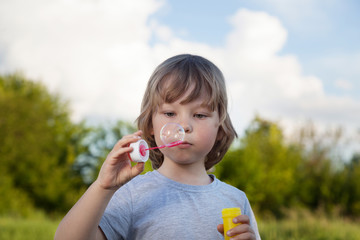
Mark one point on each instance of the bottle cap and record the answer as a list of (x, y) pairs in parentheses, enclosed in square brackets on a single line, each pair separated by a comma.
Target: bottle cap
[(230, 212), (139, 154)]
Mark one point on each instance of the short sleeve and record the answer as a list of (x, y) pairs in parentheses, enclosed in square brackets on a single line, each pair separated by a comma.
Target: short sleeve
[(116, 221)]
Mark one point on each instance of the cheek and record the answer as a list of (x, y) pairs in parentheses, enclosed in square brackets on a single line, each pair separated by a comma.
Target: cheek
[(158, 122), (155, 131), (209, 135)]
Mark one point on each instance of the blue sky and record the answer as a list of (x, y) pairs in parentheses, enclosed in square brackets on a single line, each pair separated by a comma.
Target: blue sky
[(316, 30), (289, 61)]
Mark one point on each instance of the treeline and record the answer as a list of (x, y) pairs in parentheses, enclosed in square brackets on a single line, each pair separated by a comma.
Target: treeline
[(47, 161), (306, 173), (38, 148)]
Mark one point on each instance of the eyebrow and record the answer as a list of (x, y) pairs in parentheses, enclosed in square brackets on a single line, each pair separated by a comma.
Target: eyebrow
[(200, 105)]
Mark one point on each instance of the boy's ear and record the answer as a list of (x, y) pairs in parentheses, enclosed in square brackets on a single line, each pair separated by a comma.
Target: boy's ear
[(220, 134)]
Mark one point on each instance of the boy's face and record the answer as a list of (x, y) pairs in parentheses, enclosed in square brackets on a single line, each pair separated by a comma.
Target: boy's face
[(201, 127)]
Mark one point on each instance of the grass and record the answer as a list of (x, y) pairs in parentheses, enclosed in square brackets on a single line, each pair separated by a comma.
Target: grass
[(25, 229), (306, 227), (305, 230)]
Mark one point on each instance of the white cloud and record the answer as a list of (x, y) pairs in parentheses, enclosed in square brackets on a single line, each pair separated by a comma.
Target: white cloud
[(92, 52), (343, 84), (98, 55), (262, 81), (256, 35)]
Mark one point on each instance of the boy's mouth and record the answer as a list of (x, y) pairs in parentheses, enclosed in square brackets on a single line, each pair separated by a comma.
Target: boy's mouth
[(184, 144)]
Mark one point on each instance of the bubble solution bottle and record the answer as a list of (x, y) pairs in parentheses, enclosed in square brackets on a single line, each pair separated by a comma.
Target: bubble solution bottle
[(228, 214)]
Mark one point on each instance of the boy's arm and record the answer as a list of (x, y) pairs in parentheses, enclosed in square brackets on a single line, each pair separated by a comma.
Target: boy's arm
[(82, 221)]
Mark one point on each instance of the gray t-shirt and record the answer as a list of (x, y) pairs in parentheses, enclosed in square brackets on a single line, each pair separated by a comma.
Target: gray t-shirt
[(152, 206)]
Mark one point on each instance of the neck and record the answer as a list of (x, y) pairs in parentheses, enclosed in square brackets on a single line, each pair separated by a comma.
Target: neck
[(186, 174)]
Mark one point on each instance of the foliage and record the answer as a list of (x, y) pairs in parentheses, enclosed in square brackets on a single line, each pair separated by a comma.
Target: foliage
[(47, 161), (97, 145), (38, 146), (351, 190), (278, 174), (318, 176), (325, 180), (263, 166)]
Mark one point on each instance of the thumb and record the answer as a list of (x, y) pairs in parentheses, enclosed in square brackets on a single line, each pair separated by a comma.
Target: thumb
[(137, 169), (220, 228)]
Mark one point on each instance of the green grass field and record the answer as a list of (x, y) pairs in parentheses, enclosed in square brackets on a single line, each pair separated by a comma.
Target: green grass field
[(308, 228), (25, 229)]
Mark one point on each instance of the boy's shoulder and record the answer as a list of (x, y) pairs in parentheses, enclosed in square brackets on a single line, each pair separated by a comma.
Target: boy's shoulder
[(143, 180), (228, 188), (137, 185)]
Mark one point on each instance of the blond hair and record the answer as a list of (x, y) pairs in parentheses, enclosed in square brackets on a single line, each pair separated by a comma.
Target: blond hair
[(186, 71)]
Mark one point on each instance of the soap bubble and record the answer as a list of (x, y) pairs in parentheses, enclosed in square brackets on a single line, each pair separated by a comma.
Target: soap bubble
[(172, 133)]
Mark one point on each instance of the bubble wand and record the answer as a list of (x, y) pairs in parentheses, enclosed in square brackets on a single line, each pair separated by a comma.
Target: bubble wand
[(171, 134)]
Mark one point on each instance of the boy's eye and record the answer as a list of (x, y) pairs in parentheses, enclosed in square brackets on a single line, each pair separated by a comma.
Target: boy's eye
[(169, 114), (200, 116)]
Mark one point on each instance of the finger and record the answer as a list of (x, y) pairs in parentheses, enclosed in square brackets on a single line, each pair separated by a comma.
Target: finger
[(244, 236), (116, 154), (137, 169), (241, 229), (244, 219), (220, 228), (126, 140), (136, 134)]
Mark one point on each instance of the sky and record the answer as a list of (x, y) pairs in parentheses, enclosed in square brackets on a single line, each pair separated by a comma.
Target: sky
[(288, 61)]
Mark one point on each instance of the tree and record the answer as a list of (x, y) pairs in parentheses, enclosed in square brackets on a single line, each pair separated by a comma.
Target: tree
[(321, 179), (97, 145), (264, 166), (351, 194), (38, 146)]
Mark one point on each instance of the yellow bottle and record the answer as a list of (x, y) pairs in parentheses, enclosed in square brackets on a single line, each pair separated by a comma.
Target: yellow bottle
[(228, 215)]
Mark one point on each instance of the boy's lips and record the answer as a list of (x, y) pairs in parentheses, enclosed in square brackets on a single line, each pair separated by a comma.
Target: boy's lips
[(184, 144)]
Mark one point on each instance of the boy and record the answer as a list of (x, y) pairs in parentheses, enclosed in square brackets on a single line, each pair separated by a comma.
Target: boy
[(178, 200)]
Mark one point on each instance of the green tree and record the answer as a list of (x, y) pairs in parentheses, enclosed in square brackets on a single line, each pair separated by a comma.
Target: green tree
[(97, 145), (38, 146), (320, 178), (351, 194), (264, 166)]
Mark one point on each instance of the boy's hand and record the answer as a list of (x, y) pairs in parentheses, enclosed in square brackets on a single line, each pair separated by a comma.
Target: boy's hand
[(242, 231), (116, 169)]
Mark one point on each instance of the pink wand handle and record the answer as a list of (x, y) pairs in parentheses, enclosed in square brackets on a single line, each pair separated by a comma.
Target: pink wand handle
[(173, 144), (162, 146)]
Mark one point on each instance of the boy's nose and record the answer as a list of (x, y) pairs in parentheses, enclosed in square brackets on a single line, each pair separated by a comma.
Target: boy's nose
[(187, 128), (185, 122)]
